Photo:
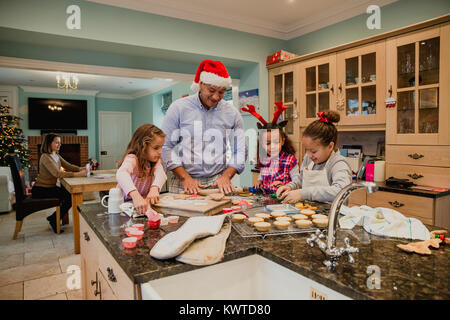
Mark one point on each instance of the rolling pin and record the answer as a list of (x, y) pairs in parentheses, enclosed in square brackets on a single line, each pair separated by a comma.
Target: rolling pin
[(205, 192)]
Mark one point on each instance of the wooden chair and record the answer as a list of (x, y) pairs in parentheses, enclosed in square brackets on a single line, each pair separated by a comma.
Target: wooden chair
[(25, 205)]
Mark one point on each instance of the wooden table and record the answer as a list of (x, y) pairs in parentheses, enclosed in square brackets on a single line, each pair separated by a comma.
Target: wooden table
[(76, 186)]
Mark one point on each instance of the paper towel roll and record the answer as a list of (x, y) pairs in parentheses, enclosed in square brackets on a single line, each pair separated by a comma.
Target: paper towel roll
[(379, 171)]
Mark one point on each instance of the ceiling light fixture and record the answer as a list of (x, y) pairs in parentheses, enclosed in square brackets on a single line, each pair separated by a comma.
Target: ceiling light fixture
[(67, 81)]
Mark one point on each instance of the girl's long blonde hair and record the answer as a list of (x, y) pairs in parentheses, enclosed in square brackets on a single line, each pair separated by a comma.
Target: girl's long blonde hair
[(138, 145)]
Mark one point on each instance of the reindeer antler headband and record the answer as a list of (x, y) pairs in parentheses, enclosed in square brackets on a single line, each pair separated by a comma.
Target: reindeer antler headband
[(276, 115)]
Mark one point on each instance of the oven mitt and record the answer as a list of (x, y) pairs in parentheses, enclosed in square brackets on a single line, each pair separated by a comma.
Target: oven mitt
[(174, 243), (209, 250)]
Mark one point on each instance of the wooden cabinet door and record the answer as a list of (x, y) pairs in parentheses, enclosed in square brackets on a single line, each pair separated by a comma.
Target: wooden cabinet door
[(418, 70), (283, 86), (317, 87), (361, 85)]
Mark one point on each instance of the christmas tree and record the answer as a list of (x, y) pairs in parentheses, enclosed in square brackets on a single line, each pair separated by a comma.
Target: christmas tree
[(12, 141)]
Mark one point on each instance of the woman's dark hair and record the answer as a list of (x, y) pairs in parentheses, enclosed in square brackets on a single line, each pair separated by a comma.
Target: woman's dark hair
[(46, 146), (325, 132), (287, 146)]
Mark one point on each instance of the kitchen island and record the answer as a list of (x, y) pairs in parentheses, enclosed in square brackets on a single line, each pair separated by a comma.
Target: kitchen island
[(112, 272)]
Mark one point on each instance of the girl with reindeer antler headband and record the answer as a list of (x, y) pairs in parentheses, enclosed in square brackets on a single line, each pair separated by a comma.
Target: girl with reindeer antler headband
[(278, 162)]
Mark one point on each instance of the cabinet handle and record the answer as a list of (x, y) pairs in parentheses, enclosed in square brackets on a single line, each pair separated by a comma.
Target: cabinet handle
[(111, 275), (93, 282), (415, 156), (415, 176), (396, 204), (340, 87), (86, 236), (332, 88)]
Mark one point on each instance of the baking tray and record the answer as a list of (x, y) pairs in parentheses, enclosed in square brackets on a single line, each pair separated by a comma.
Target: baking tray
[(287, 208), (245, 230)]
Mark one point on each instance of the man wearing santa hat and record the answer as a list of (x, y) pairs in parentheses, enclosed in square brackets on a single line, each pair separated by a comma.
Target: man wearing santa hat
[(201, 126)]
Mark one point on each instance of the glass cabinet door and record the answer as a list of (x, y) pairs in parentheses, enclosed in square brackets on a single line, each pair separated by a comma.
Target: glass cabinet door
[(317, 88), (284, 90), (415, 80), (361, 78), (418, 87)]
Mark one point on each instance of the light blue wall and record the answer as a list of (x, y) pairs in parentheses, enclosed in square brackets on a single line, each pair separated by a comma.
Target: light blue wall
[(393, 16), (90, 132)]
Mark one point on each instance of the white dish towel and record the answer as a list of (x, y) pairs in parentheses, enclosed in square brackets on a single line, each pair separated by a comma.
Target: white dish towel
[(383, 222)]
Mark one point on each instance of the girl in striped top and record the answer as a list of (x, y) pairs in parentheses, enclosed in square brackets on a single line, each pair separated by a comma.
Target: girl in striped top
[(141, 174)]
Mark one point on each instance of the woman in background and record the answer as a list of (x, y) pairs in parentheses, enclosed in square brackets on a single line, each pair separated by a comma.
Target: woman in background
[(47, 183)]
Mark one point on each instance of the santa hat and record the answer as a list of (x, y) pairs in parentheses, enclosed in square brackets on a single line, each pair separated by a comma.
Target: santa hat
[(213, 73)]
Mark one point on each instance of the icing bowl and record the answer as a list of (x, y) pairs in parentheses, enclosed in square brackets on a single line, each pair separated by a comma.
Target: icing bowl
[(134, 233), (138, 226), (129, 242), (154, 224)]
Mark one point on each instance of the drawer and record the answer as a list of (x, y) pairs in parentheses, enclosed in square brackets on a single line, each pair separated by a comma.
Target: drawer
[(121, 285), (421, 175), (357, 197), (437, 156), (410, 206), (106, 293)]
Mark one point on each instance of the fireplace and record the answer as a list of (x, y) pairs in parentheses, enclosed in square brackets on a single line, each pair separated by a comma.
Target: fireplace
[(74, 149)]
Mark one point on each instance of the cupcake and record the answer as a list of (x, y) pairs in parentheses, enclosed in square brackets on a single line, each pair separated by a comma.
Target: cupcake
[(254, 220), (276, 214), (238, 217), (303, 224), (288, 219), (262, 226), (265, 216), (299, 217), (321, 223), (281, 225), (307, 212)]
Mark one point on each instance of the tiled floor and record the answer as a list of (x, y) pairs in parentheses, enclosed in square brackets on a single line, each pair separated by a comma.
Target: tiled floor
[(39, 264)]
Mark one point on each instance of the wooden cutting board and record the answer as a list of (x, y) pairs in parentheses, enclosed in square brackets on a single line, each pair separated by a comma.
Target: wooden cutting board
[(189, 207)]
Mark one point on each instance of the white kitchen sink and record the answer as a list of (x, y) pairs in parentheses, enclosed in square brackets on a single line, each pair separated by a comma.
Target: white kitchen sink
[(250, 278)]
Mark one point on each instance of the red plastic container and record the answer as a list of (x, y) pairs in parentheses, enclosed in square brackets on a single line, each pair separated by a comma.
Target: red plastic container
[(154, 224), (138, 226), (129, 242)]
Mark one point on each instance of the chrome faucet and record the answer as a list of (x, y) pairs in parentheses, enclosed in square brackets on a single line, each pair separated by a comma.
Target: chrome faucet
[(329, 248)]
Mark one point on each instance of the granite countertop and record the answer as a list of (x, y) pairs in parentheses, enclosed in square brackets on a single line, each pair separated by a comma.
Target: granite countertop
[(403, 275)]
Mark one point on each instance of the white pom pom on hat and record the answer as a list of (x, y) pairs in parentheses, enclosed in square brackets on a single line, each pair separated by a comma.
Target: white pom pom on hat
[(213, 73)]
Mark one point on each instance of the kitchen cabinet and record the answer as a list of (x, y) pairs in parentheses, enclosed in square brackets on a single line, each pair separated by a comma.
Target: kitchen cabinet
[(317, 79), (429, 210), (102, 277), (418, 75), (417, 128), (284, 86), (361, 85)]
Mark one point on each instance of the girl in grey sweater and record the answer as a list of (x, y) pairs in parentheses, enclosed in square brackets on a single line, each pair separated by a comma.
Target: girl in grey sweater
[(324, 172)]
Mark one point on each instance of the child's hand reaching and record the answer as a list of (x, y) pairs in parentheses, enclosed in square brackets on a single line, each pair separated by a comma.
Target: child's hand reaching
[(153, 195), (293, 196), (258, 184), (140, 204), (282, 191), (277, 183)]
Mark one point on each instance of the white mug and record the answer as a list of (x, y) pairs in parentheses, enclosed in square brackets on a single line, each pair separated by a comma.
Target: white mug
[(114, 201)]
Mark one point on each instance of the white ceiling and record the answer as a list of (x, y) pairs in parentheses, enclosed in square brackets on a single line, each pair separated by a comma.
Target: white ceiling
[(131, 87), (281, 19)]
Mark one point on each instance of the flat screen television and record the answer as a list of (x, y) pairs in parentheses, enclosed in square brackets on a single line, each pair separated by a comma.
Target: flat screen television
[(57, 114)]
